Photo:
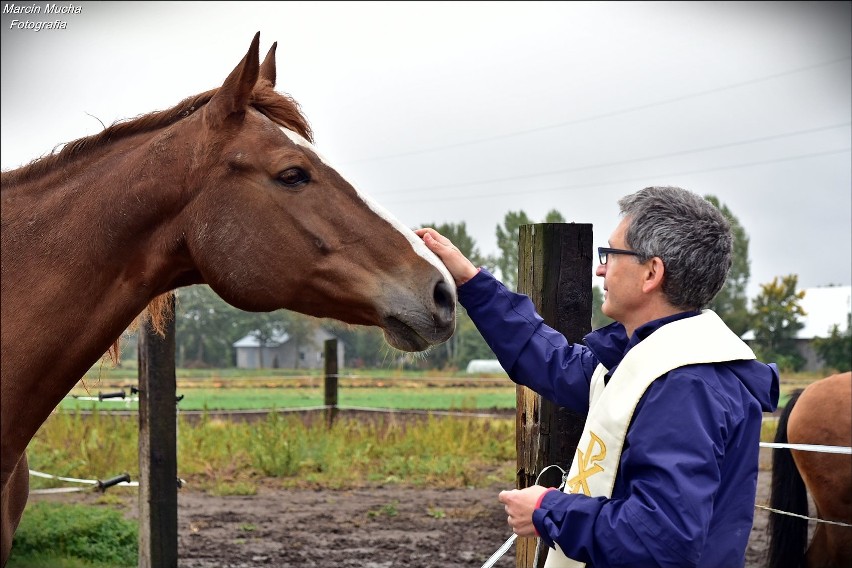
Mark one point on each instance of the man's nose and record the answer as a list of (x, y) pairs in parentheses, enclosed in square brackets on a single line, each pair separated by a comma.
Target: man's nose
[(601, 270)]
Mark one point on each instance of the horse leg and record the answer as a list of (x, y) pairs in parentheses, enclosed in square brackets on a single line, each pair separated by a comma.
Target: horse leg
[(828, 478), (15, 494), (830, 547)]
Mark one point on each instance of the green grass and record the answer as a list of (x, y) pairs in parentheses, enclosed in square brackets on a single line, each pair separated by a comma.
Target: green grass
[(233, 457), (76, 536)]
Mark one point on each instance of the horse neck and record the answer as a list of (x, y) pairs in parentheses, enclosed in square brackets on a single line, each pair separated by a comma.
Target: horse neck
[(84, 251)]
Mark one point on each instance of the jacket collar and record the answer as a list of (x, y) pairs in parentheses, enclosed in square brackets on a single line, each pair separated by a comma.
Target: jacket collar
[(610, 343)]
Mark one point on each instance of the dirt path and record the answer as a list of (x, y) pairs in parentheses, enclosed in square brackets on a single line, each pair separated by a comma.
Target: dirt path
[(379, 527), (371, 528)]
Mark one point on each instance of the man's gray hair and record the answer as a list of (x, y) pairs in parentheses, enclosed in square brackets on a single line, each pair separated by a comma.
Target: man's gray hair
[(688, 233)]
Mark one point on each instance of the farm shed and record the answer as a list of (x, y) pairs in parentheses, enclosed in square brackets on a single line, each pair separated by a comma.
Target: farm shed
[(824, 307), (282, 351)]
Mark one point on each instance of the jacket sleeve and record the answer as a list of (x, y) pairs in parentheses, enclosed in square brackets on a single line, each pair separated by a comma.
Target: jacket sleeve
[(671, 462), (533, 354)]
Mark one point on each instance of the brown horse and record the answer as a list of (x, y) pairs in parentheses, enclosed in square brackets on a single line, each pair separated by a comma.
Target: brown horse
[(821, 415), (224, 189)]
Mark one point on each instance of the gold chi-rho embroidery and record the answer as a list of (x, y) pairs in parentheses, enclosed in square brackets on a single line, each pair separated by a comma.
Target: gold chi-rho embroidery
[(587, 465)]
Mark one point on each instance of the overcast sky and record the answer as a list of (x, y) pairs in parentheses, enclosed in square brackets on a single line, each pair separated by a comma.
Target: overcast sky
[(453, 111)]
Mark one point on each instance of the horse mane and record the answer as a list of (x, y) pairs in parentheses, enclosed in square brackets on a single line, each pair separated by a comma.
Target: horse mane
[(279, 108)]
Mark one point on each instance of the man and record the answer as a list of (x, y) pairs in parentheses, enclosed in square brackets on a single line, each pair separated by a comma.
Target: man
[(666, 469)]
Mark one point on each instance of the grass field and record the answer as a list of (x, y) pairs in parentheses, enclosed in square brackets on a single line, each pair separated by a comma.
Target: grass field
[(235, 389), (241, 389)]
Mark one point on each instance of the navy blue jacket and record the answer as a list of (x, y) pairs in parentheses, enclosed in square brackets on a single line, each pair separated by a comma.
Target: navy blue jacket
[(684, 493)]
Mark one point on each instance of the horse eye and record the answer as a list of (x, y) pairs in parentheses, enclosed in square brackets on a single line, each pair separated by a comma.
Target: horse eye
[(293, 177)]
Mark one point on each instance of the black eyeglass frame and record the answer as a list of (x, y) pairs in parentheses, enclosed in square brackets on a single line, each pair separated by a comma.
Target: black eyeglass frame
[(604, 251)]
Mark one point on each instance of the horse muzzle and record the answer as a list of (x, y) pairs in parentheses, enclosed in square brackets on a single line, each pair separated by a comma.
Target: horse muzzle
[(416, 325)]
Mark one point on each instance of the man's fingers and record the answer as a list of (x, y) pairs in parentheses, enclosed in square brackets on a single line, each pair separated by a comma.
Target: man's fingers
[(435, 235)]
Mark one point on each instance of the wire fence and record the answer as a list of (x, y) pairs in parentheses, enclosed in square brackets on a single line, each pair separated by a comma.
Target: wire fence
[(103, 485)]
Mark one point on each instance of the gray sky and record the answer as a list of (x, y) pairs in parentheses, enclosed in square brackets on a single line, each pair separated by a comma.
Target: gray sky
[(453, 111)]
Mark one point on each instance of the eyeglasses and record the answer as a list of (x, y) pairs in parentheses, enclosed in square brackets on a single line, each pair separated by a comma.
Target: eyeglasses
[(603, 252)]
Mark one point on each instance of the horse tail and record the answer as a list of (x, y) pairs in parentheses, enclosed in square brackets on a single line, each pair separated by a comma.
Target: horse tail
[(788, 536)]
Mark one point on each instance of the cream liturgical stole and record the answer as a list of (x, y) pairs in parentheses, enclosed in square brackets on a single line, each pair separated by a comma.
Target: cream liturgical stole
[(699, 339)]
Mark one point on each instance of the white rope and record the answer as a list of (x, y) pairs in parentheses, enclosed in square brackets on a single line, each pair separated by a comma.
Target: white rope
[(326, 407), (809, 448), (771, 510), (58, 490), (500, 552), (113, 399), (506, 545), (71, 480)]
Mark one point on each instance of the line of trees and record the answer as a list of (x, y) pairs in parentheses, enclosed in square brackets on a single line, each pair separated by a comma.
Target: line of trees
[(207, 327)]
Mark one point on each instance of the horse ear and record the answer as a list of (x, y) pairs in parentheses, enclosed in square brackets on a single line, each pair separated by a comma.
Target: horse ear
[(234, 94), (267, 68)]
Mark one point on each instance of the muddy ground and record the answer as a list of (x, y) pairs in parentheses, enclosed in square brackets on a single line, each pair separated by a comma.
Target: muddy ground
[(377, 527)]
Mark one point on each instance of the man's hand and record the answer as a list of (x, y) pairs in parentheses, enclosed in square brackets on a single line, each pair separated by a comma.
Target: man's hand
[(519, 506), (458, 264)]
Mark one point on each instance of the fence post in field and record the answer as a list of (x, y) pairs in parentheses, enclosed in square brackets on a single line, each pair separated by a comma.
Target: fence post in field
[(330, 381), (158, 521), (555, 271)]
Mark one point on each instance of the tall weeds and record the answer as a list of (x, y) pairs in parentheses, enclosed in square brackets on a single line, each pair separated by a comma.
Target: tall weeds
[(225, 456)]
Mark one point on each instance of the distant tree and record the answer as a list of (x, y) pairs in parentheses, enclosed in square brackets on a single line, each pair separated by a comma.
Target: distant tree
[(457, 233), (363, 346), (465, 344), (507, 242), (836, 349), (599, 319), (554, 216), (776, 320), (731, 303), (205, 328), (470, 344)]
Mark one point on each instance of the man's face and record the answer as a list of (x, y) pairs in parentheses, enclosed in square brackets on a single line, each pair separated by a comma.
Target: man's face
[(622, 276)]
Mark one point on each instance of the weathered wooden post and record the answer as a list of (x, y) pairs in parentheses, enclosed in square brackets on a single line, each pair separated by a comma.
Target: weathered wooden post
[(555, 271), (158, 521), (330, 381)]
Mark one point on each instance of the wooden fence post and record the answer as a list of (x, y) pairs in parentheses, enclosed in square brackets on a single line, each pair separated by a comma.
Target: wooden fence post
[(330, 381), (555, 271), (158, 521)]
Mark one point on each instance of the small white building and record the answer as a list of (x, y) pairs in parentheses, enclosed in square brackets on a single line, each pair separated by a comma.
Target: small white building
[(489, 366), (282, 352), (824, 307)]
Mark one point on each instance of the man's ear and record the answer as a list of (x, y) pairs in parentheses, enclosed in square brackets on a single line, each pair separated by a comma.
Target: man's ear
[(654, 275)]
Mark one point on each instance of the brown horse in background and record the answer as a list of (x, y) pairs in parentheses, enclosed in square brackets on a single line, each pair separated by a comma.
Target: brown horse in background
[(821, 415), (224, 189)]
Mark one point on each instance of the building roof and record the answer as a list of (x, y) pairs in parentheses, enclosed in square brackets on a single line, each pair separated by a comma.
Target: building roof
[(278, 339), (251, 340), (824, 308)]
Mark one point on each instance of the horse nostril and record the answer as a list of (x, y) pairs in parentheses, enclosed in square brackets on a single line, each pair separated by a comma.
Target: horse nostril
[(445, 301)]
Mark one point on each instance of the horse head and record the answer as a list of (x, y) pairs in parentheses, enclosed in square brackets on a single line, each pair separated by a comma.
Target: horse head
[(270, 224)]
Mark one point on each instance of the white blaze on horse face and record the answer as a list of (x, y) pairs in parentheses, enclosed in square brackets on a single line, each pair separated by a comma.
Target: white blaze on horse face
[(416, 243)]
